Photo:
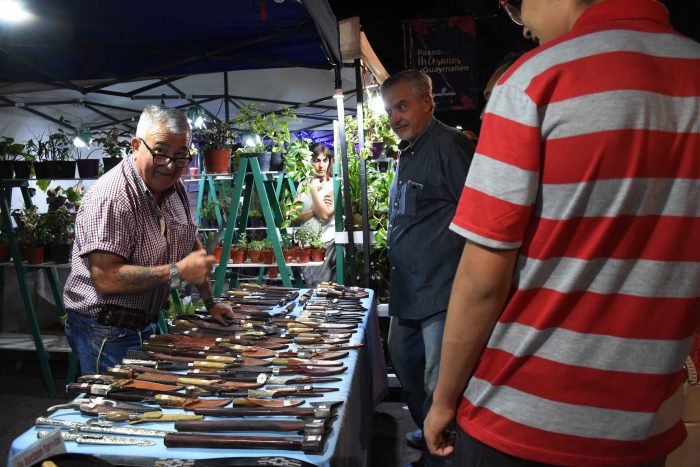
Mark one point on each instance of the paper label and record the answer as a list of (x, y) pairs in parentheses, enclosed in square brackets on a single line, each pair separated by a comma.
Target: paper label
[(50, 445)]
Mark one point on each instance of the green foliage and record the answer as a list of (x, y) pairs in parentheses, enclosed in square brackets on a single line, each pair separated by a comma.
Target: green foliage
[(304, 235), (241, 241), (376, 128), (218, 135), (207, 210), (114, 142), (61, 225), (316, 241), (58, 146), (188, 308), (32, 227), (9, 150), (257, 245), (272, 128), (297, 162)]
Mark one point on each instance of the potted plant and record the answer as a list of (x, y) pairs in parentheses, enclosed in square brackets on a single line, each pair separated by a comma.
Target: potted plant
[(318, 247), (255, 218), (37, 150), (114, 143), (255, 248), (377, 133), (263, 134), (63, 205), (268, 254), (87, 168), (303, 236), (239, 249), (58, 154), (215, 142), (10, 152), (32, 233), (207, 214)]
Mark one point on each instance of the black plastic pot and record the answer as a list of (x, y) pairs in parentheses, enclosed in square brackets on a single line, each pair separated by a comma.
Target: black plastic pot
[(276, 161), (41, 169), (88, 168), (5, 170), (53, 169), (23, 169), (110, 162), (67, 169), (61, 252)]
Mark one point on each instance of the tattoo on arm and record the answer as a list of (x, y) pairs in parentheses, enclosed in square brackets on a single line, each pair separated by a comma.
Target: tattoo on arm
[(144, 276)]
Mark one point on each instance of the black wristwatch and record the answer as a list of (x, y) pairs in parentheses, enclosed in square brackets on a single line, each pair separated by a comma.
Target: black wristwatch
[(210, 302), (175, 281)]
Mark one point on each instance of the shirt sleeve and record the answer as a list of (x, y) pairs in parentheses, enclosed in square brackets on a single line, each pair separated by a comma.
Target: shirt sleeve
[(501, 188), (107, 225)]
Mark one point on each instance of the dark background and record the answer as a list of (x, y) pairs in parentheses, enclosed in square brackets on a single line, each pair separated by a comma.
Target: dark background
[(497, 35)]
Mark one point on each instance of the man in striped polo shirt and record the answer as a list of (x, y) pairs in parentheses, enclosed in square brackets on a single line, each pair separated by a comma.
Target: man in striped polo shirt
[(578, 290), (135, 242)]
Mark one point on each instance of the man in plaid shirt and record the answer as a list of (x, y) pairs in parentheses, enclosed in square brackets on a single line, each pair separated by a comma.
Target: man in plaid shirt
[(135, 242)]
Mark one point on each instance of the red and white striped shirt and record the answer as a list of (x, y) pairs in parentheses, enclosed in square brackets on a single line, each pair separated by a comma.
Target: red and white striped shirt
[(589, 163), (119, 215)]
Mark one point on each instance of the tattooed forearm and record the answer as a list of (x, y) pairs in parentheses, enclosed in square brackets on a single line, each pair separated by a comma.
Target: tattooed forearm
[(140, 278)]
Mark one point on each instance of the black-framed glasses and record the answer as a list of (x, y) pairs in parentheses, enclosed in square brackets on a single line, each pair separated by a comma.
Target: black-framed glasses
[(163, 160), (512, 7)]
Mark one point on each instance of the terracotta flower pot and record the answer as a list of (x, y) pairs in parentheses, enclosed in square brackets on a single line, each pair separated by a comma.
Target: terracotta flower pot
[(32, 254), (268, 256), (217, 253), (303, 255), (318, 254), (217, 160), (255, 256), (290, 254), (273, 273), (238, 255)]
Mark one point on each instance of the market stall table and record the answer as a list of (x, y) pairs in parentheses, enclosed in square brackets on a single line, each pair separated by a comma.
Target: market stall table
[(363, 385)]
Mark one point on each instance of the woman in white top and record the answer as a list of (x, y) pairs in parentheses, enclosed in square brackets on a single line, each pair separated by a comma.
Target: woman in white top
[(318, 211)]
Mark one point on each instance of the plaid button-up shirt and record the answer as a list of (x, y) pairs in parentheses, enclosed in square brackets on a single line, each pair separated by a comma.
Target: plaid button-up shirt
[(119, 215)]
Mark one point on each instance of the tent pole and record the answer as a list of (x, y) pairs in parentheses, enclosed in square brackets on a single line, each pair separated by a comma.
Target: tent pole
[(360, 95), (346, 181), (226, 100)]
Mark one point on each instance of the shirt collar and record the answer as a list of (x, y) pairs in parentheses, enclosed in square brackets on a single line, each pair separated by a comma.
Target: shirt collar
[(624, 10)]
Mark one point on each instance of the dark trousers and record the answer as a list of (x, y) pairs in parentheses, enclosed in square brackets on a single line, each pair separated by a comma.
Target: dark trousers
[(470, 452)]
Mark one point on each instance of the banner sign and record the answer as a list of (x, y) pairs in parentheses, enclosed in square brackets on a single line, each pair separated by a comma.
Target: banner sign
[(445, 49)]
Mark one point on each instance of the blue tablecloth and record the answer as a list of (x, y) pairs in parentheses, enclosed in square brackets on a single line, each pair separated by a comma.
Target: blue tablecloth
[(363, 386)]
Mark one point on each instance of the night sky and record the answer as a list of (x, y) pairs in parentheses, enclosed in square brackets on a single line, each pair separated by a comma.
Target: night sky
[(496, 34)]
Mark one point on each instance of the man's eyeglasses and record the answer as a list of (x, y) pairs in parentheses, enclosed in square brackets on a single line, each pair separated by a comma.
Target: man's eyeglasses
[(162, 160), (512, 7)]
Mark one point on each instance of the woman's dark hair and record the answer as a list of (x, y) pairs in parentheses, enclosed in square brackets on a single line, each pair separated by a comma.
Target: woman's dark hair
[(319, 148)]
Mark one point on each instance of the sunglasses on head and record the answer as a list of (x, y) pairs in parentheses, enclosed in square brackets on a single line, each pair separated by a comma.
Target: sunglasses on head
[(512, 7)]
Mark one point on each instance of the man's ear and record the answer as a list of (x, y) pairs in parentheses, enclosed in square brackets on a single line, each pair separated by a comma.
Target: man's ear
[(135, 144)]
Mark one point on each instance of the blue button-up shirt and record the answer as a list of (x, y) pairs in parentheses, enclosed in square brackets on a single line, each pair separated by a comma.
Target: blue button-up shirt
[(423, 252)]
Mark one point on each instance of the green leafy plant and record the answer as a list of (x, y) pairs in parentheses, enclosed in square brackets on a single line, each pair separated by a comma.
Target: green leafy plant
[(377, 128), (257, 245), (61, 225), (304, 235), (241, 241), (316, 241), (58, 146), (10, 150), (218, 135), (114, 142), (271, 129), (32, 227)]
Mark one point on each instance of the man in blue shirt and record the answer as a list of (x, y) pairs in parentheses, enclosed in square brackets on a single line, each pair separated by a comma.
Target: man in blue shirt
[(424, 253)]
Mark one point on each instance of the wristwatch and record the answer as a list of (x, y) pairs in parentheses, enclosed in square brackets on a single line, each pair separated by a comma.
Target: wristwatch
[(210, 302), (175, 281)]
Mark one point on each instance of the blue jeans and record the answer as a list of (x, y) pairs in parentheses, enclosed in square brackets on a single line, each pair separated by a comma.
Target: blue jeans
[(414, 347), (99, 347)]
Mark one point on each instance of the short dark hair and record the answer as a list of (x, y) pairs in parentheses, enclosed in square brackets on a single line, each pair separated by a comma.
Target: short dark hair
[(420, 82)]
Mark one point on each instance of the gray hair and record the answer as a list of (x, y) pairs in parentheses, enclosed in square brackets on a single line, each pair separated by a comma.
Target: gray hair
[(172, 119), (420, 82)]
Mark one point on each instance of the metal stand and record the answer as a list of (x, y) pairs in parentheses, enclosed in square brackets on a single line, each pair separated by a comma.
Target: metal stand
[(6, 187)]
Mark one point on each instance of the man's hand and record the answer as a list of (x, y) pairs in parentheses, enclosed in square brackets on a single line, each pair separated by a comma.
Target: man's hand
[(434, 430), (195, 267), (221, 311)]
